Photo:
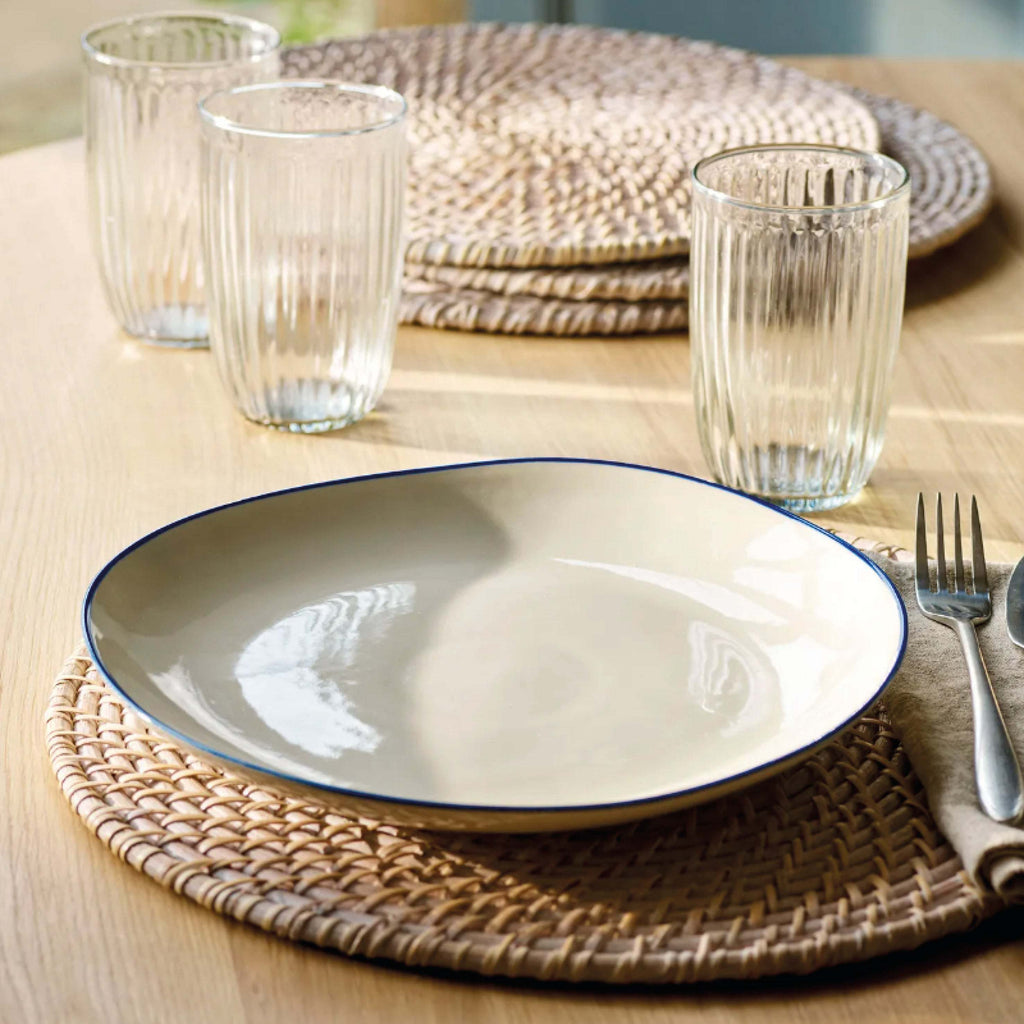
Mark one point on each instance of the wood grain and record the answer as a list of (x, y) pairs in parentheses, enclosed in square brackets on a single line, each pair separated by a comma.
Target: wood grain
[(103, 438)]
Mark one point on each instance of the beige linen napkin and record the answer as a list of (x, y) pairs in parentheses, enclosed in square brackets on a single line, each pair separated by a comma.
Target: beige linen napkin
[(929, 703)]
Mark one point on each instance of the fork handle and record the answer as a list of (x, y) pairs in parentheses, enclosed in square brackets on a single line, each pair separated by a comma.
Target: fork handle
[(996, 768)]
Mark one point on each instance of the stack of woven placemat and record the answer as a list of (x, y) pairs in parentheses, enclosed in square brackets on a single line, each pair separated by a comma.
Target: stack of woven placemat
[(549, 165)]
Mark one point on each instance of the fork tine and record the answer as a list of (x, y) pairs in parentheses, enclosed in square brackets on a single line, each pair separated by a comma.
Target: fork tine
[(923, 582), (958, 549), (978, 569), (940, 548)]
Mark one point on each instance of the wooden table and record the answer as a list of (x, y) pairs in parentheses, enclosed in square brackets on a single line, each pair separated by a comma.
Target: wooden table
[(104, 438)]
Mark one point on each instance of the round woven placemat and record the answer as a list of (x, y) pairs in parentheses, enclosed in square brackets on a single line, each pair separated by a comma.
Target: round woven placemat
[(541, 145), (951, 182), (469, 309), (952, 192), (645, 281), (834, 861)]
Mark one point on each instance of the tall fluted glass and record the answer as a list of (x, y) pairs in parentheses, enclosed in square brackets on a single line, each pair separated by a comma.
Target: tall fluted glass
[(303, 198), (798, 266), (144, 78)]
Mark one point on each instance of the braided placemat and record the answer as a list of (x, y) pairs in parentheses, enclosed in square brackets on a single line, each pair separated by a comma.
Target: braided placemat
[(469, 309), (541, 145), (645, 281), (951, 182), (834, 861), (952, 191)]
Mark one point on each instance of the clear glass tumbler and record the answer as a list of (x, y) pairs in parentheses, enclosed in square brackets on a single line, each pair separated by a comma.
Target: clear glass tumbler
[(144, 78), (303, 197), (798, 267)]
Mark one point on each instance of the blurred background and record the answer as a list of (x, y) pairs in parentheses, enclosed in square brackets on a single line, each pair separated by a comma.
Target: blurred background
[(39, 61)]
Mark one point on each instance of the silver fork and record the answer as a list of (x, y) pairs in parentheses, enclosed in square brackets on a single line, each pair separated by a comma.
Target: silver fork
[(1000, 786)]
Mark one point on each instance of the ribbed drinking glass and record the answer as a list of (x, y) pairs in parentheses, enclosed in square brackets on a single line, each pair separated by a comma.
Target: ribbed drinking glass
[(798, 263), (144, 78), (303, 198)]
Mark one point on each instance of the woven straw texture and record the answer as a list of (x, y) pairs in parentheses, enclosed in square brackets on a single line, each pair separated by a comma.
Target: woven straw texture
[(952, 192), (553, 145), (468, 309), (834, 861), (951, 183), (650, 280)]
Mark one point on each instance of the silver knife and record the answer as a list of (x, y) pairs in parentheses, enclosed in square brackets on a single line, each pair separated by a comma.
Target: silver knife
[(1015, 605)]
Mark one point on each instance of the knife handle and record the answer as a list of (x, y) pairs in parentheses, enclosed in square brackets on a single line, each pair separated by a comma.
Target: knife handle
[(996, 768)]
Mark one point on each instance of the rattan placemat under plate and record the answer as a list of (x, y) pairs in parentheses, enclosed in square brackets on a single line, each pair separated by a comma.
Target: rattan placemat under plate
[(834, 861), (541, 145), (952, 192)]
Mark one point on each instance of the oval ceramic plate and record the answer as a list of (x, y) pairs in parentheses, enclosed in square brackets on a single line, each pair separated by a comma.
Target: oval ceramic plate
[(516, 645)]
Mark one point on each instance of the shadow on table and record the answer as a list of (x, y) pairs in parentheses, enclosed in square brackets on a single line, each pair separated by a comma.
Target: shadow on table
[(962, 265), (893, 490), (869, 978), (504, 423)]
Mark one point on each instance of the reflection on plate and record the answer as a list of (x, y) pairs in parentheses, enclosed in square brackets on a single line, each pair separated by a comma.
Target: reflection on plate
[(515, 645)]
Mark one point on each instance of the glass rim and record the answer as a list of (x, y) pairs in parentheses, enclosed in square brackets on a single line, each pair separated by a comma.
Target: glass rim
[(900, 188), (257, 28), (230, 124)]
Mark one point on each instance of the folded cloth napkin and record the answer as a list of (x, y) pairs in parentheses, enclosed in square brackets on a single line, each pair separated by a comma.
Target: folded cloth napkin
[(929, 703)]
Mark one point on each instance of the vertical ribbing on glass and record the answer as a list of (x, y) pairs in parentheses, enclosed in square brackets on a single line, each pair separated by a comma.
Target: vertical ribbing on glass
[(302, 232), (795, 318), (144, 78)]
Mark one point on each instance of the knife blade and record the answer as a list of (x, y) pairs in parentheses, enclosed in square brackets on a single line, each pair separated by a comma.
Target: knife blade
[(1015, 605)]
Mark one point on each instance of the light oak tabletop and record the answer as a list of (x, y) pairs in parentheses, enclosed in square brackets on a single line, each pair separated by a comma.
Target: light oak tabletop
[(103, 438)]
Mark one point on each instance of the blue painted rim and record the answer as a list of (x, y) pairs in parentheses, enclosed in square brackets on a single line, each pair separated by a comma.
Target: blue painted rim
[(379, 798)]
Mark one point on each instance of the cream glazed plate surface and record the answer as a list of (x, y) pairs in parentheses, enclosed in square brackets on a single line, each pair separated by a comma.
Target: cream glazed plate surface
[(517, 645)]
